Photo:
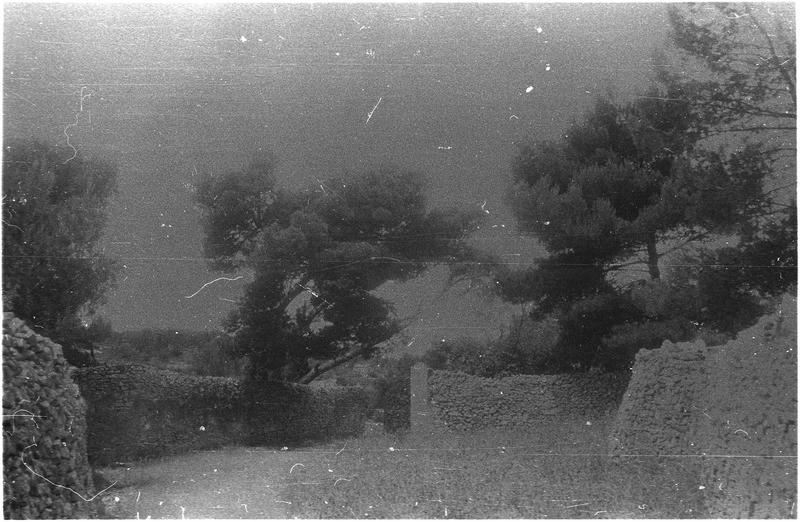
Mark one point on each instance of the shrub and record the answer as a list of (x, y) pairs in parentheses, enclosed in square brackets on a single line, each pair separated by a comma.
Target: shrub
[(528, 347), (463, 354), (216, 358)]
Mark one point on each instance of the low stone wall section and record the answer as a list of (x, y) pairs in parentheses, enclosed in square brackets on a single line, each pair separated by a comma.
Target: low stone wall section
[(46, 473), (139, 412), (466, 402), (731, 409), (661, 406)]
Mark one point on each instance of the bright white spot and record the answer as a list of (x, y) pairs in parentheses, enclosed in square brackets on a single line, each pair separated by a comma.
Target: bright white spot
[(546, 222), (588, 423), (338, 54), (538, 29), (242, 39), (702, 487), (202, 428), (116, 499), (391, 448), (529, 89), (547, 67)]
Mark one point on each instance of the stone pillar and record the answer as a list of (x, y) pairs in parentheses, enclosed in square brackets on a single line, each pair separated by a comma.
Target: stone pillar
[(421, 416)]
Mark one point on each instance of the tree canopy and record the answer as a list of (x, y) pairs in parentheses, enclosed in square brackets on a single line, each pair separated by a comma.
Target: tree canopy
[(745, 66), (634, 183), (54, 212), (317, 255)]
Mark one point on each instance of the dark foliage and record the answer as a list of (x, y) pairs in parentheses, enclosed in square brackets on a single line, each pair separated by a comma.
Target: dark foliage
[(317, 255), (628, 183), (54, 211), (530, 346), (394, 393)]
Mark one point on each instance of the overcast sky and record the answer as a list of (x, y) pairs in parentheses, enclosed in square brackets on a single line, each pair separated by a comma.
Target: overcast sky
[(172, 93)]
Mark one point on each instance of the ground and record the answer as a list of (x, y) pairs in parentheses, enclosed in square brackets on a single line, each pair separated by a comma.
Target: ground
[(562, 471)]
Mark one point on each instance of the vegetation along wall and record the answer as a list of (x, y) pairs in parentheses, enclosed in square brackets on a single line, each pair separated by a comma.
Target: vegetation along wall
[(467, 402), (45, 469), (734, 407), (137, 411)]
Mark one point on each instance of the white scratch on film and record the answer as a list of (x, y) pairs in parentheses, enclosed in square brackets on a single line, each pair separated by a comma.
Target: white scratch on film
[(214, 281), (369, 115), (74, 150), (59, 485)]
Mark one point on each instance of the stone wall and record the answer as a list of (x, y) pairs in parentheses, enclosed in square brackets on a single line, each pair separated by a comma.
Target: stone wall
[(137, 411), (660, 409), (732, 408), (466, 402), (45, 469)]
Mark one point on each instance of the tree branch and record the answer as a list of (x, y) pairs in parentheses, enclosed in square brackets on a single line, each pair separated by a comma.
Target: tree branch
[(319, 369), (755, 128), (786, 76), (299, 288)]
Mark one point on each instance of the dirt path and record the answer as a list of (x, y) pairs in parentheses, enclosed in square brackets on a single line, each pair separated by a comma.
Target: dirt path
[(227, 483)]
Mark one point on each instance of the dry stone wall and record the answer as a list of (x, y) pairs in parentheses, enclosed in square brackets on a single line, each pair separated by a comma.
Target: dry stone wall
[(733, 407), (45, 469), (137, 412), (659, 411), (466, 402)]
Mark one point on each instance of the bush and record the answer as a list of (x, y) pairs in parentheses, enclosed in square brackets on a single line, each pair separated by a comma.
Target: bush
[(216, 358), (528, 347), (463, 354), (160, 345)]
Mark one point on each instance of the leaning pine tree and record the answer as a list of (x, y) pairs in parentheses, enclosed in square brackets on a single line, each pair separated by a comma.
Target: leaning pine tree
[(317, 255)]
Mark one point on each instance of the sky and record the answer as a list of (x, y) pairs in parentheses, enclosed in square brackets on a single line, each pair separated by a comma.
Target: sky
[(172, 93)]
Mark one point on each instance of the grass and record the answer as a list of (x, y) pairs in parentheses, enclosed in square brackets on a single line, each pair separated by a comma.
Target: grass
[(560, 471)]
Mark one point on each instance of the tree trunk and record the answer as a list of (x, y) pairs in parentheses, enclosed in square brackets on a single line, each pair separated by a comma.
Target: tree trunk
[(652, 257), (319, 369)]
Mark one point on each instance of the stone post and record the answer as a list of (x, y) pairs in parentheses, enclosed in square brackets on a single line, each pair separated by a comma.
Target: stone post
[(421, 416)]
